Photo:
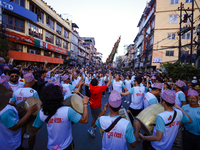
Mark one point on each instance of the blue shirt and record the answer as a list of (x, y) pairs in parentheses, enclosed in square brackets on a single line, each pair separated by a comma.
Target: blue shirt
[(194, 113)]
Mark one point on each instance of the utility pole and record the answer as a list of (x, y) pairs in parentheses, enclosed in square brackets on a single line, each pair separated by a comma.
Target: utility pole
[(180, 28), (192, 23)]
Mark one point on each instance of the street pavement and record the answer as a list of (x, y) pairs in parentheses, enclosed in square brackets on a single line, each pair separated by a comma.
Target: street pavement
[(82, 139)]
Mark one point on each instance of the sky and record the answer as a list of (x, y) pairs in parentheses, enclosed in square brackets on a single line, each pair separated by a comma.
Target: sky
[(105, 20)]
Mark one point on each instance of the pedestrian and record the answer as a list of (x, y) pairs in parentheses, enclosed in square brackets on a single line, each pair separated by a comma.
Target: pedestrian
[(115, 137), (10, 124), (191, 132), (59, 118), (167, 123), (95, 101)]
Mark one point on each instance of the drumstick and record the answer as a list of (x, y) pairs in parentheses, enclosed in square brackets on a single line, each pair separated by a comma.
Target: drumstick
[(129, 112), (81, 94)]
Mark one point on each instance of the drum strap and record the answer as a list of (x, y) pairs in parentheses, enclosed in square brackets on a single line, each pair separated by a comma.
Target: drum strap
[(49, 117), (113, 124), (175, 113)]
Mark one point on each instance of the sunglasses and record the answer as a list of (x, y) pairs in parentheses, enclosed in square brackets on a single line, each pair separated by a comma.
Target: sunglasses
[(16, 76)]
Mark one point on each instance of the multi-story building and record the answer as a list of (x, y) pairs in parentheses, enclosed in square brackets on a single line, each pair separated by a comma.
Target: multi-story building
[(36, 32), (167, 22)]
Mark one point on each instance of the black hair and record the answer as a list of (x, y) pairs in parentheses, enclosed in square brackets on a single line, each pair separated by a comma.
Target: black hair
[(168, 86), (153, 88), (6, 71), (115, 109), (40, 72), (138, 79), (94, 82), (52, 99), (13, 71), (168, 104)]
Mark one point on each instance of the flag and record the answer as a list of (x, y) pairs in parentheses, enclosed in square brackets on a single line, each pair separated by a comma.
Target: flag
[(113, 52)]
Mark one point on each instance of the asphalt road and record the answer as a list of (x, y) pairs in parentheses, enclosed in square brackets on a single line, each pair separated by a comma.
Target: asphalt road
[(82, 139)]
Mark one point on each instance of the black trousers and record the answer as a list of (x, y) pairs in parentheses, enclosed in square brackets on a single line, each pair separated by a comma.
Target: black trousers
[(87, 91), (190, 141), (135, 112)]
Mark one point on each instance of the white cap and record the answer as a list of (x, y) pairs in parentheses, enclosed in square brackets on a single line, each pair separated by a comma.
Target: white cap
[(194, 77)]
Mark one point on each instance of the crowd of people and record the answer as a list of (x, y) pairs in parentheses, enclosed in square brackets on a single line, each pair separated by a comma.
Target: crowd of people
[(179, 123)]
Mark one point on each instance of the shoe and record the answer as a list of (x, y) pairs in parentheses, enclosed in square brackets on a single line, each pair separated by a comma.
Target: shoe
[(91, 131), (127, 102), (104, 96), (176, 145), (26, 136)]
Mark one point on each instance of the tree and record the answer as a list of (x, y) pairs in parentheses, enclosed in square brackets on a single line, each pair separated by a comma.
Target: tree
[(181, 71), (4, 42)]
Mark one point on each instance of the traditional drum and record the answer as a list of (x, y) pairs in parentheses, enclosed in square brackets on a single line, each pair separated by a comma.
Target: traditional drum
[(76, 102), (25, 105), (122, 113), (147, 117)]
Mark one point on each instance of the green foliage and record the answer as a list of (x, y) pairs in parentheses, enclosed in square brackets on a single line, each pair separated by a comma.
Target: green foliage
[(181, 71), (4, 43)]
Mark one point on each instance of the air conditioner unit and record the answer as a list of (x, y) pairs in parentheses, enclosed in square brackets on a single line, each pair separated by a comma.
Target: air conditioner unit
[(32, 51)]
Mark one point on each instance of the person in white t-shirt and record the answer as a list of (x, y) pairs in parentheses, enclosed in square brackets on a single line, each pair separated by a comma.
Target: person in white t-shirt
[(150, 97), (59, 118), (20, 95), (122, 132), (117, 84), (166, 128), (13, 82), (87, 83), (137, 97), (128, 84), (10, 124), (133, 77)]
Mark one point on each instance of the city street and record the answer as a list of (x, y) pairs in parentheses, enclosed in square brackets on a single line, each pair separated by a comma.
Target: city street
[(82, 139)]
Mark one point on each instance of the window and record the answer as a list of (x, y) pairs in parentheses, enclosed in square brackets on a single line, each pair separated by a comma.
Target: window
[(153, 24), (186, 36), (171, 36), (59, 29), (66, 34), (65, 45), (74, 39), (35, 31), (57, 55), (188, 1), (47, 53), (15, 47), (58, 41), (20, 2), (12, 22), (49, 37), (151, 40), (37, 10), (169, 53), (174, 2), (50, 22), (173, 19), (33, 50)]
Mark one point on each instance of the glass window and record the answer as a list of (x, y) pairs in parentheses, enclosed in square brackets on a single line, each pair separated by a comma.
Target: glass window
[(22, 3), (171, 36), (16, 1), (58, 41), (4, 18), (186, 36), (10, 20), (15, 47), (59, 29), (174, 2), (49, 37), (35, 31), (13, 23), (169, 53), (65, 45), (74, 38), (50, 22), (173, 19), (66, 34), (37, 10), (188, 1)]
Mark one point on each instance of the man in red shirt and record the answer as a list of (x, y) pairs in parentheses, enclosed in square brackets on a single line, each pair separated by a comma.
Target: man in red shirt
[(95, 101)]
